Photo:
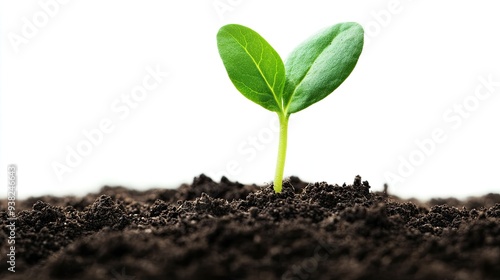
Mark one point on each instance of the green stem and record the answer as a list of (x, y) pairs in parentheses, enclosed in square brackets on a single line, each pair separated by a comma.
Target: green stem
[(280, 164)]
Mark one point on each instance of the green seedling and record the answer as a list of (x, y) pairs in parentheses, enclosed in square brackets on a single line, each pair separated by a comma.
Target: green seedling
[(312, 71)]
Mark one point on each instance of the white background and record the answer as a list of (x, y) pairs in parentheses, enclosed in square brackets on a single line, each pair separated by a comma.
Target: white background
[(420, 59)]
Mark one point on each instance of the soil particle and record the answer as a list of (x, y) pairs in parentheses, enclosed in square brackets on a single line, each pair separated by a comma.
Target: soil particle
[(227, 230)]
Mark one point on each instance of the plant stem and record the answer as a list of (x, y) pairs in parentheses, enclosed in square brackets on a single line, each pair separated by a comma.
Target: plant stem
[(280, 164)]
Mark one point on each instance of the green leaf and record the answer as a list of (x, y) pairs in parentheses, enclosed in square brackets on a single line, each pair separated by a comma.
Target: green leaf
[(253, 66), (320, 64)]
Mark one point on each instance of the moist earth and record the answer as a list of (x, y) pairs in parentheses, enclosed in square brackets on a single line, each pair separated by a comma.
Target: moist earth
[(227, 230)]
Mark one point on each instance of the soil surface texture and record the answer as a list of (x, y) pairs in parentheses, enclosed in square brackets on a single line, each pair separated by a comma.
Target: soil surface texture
[(227, 230)]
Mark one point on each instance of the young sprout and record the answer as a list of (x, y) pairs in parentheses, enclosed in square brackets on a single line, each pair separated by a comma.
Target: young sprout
[(312, 71)]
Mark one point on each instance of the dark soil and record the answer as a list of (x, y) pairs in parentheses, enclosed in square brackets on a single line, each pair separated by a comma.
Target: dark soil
[(227, 230)]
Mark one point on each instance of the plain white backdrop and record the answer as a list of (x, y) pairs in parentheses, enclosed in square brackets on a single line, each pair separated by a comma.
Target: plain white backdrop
[(67, 66)]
